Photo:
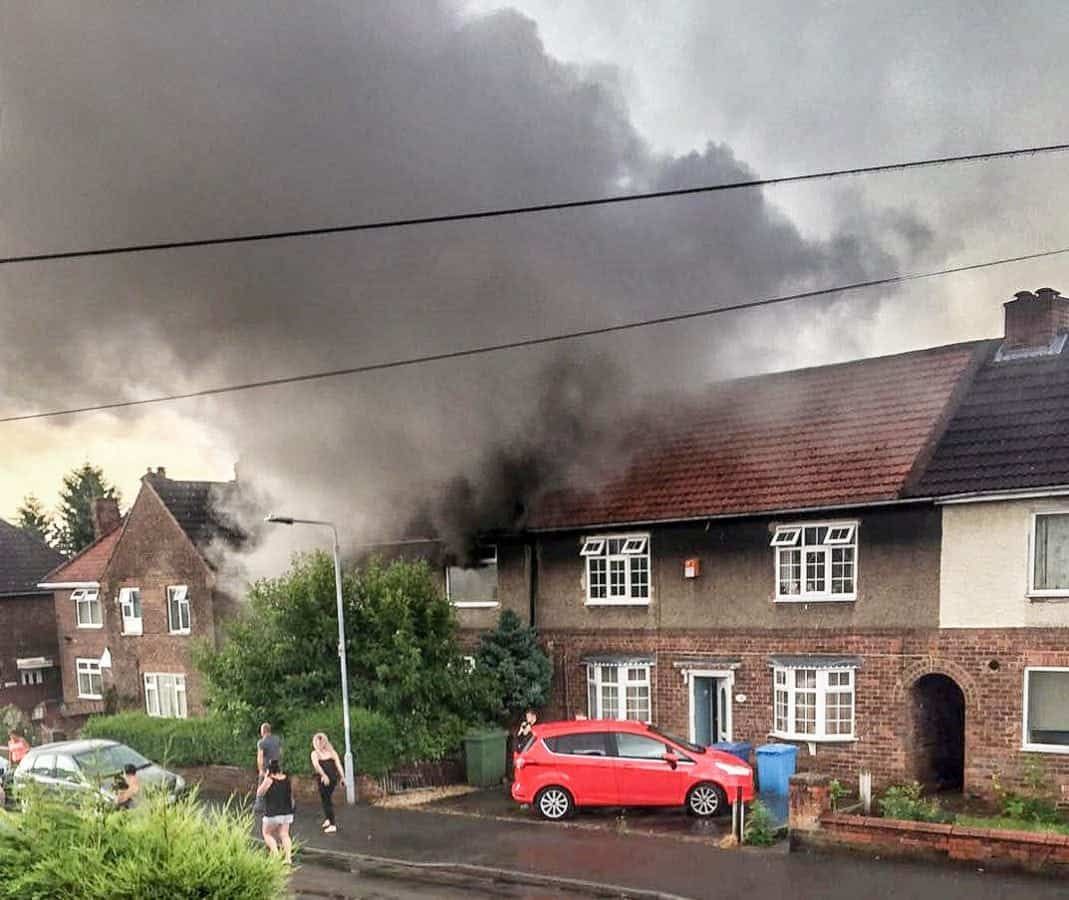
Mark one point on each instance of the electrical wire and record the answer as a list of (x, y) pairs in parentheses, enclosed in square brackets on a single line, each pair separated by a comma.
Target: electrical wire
[(538, 341), (386, 224)]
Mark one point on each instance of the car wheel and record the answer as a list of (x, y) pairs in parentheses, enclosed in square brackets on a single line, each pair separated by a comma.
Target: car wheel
[(706, 800), (554, 803)]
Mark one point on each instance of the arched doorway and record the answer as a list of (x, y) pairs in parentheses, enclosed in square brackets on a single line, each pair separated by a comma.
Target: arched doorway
[(938, 732)]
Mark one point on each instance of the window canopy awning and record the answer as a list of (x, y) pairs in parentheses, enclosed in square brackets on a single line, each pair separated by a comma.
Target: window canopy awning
[(34, 662), (815, 661), (616, 659)]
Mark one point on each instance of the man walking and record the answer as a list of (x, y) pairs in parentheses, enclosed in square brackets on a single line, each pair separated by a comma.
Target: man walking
[(268, 748)]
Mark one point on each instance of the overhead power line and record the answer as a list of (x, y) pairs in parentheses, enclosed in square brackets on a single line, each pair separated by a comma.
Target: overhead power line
[(538, 341), (385, 224)]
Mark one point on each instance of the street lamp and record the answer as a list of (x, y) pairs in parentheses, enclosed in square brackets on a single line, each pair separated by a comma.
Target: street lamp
[(350, 782)]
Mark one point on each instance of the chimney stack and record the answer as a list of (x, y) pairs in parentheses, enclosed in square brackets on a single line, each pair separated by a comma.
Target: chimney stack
[(105, 516), (1035, 320)]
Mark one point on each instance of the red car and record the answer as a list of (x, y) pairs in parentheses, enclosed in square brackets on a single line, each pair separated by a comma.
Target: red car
[(565, 765)]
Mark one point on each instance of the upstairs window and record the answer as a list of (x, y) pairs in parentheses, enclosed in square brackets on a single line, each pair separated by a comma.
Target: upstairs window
[(130, 604), (1050, 555), (178, 609), (87, 611), (476, 585), (816, 562), (811, 703), (617, 569)]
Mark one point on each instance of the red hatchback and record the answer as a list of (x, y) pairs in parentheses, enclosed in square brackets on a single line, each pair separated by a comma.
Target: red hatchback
[(565, 765)]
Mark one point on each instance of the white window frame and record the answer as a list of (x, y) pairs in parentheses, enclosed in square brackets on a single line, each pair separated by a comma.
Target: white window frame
[(128, 621), (821, 689), (1027, 745), (1033, 591), (596, 548), (31, 677), (791, 539), (89, 668), (182, 601), (179, 696), (479, 563), (595, 679), (88, 596)]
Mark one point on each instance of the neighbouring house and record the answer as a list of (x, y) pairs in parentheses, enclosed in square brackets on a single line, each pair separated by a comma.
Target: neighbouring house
[(869, 560), (29, 661), (130, 606)]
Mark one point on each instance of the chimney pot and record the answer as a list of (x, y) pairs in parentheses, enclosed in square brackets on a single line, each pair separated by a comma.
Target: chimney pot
[(161, 471), (1035, 320), (105, 516)]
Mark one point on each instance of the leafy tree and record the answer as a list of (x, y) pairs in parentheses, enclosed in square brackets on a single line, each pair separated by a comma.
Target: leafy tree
[(33, 517), (74, 531), (281, 657), (512, 656)]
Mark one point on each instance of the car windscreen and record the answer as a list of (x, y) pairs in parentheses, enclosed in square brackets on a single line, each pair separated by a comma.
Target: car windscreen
[(105, 761), (689, 746)]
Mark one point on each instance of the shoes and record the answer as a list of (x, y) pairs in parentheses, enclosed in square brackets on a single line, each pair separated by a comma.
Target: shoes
[(330, 829)]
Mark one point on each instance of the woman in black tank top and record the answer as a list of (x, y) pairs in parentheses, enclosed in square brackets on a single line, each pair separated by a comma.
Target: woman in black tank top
[(277, 794), (328, 770)]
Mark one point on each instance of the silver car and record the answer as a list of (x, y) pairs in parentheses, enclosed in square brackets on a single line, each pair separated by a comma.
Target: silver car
[(71, 769)]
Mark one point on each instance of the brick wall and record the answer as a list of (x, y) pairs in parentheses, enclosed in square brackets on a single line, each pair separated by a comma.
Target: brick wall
[(27, 628), (988, 665)]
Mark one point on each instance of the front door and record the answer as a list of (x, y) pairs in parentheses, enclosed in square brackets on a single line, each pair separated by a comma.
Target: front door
[(711, 708)]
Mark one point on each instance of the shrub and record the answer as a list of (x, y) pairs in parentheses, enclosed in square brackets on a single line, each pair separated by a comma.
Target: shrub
[(836, 792), (1036, 803), (178, 742), (511, 656), (377, 746), (760, 826), (161, 849), (904, 801)]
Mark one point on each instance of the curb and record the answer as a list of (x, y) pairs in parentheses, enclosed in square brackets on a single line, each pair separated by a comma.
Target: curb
[(464, 874)]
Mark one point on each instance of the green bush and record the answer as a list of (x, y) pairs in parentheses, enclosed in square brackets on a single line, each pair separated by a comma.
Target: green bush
[(377, 746), (760, 826), (178, 742), (836, 792), (904, 801), (161, 849)]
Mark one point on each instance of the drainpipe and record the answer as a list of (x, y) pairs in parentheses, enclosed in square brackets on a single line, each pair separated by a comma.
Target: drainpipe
[(532, 582)]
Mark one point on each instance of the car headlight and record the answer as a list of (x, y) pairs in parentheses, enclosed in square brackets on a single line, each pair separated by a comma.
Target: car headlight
[(729, 769)]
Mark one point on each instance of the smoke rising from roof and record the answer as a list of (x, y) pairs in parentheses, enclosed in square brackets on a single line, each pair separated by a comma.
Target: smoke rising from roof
[(151, 123)]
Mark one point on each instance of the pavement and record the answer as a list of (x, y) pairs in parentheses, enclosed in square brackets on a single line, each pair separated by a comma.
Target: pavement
[(579, 860)]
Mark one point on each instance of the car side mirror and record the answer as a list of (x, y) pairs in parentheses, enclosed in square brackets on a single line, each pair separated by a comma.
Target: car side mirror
[(671, 759)]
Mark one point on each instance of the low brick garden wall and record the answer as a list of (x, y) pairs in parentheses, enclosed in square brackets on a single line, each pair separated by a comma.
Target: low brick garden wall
[(228, 780), (814, 826)]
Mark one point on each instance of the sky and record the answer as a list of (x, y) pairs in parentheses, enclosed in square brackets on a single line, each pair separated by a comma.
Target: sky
[(126, 122)]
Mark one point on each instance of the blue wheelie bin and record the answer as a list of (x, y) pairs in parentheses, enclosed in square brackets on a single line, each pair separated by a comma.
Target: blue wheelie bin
[(742, 749), (775, 766)]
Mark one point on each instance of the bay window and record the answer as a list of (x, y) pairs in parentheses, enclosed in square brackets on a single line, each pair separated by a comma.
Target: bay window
[(813, 703), (619, 691)]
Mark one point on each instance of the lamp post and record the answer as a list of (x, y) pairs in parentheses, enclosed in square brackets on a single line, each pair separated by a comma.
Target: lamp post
[(350, 781)]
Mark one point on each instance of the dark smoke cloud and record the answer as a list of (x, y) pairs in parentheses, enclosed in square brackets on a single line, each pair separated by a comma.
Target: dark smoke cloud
[(169, 121)]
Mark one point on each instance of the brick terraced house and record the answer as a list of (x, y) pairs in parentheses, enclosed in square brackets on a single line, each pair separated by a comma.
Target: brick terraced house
[(130, 605), (29, 662), (869, 560)]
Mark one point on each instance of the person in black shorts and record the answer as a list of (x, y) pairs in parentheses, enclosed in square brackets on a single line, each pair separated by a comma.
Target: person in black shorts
[(277, 793), (327, 766)]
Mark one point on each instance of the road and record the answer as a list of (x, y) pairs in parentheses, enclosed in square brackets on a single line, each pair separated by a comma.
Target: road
[(683, 868)]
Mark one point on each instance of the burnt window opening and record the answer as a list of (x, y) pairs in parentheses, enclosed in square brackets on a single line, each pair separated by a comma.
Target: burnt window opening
[(474, 584)]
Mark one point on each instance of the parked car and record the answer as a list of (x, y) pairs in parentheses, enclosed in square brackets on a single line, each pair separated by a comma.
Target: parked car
[(70, 769), (565, 765)]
